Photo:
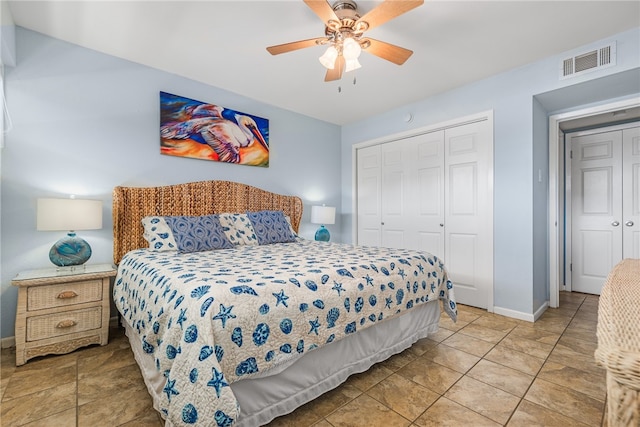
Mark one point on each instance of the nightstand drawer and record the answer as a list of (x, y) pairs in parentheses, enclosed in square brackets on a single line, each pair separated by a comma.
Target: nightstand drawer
[(41, 297), (67, 322)]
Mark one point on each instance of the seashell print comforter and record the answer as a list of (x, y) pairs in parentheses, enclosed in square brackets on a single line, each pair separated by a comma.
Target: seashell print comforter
[(212, 318)]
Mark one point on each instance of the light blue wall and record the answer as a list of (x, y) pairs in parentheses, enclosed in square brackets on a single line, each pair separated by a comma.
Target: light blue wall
[(520, 144), (84, 122)]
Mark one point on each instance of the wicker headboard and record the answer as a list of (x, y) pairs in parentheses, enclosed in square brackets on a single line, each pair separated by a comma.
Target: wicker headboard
[(131, 204)]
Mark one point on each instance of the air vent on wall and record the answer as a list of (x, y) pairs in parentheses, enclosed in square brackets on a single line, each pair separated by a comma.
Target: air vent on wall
[(596, 59)]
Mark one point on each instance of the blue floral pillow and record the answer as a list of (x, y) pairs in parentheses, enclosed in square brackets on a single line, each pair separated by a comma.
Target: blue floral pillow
[(271, 227), (189, 233)]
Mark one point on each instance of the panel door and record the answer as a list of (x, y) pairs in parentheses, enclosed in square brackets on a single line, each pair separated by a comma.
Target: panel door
[(368, 196), (631, 193), (395, 195), (469, 212), (596, 205)]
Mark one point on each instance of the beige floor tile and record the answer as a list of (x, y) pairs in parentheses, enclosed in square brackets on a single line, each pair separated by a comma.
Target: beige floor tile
[(585, 347), (552, 324), (514, 359), (581, 334), (568, 402), (469, 344), (38, 405), (480, 332), (449, 324), (452, 358), (105, 359), (403, 396), (366, 411), (499, 323), (399, 360), (569, 357), (92, 387), (304, 416), (435, 377), (584, 382), (526, 330), (322, 423), (441, 335), (423, 345), (368, 379), (61, 419), (333, 399), (484, 399), (531, 415), (110, 410), (582, 323), (446, 413), (41, 374), (150, 419), (502, 377), (527, 346)]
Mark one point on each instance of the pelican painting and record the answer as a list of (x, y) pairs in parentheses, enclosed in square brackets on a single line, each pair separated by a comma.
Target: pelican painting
[(190, 128)]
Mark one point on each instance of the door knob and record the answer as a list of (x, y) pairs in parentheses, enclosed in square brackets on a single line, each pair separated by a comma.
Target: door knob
[(615, 223), (629, 223), (441, 225)]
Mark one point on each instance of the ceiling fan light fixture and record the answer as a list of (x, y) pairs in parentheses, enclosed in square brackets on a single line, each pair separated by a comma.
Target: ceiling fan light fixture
[(351, 49), (328, 59), (352, 64)]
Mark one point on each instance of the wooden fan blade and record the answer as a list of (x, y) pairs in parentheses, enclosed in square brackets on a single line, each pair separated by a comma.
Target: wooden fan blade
[(387, 11), (396, 54), (323, 10), (336, 73), (288, 47)]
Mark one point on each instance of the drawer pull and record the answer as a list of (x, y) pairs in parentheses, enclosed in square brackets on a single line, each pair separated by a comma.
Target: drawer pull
[(66, 323), (67, 295)]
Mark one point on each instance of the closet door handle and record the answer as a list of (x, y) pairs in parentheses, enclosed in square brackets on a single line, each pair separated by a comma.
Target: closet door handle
[(615, 223), (629, 223)]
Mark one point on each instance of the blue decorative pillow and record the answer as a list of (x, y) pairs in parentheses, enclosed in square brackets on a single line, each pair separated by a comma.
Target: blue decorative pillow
[(271, 227), (185, 233)]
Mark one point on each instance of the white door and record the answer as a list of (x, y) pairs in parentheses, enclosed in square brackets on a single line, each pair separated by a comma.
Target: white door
[(368, 196), (604, 204), (468, 226), (631, 193), (435, 194)]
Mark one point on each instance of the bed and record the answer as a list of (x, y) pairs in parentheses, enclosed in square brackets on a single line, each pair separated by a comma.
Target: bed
[(248, 330)]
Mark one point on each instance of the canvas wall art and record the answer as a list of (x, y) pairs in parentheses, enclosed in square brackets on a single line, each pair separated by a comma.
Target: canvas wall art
[(190, 128)]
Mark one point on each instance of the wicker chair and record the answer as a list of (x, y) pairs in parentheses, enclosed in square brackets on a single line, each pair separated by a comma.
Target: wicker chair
[(618, 349)]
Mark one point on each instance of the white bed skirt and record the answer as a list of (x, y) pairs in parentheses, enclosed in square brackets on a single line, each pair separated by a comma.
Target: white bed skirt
[(282, 390)]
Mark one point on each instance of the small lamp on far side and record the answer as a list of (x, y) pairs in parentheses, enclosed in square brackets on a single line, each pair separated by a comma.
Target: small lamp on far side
[(69, 215), (323, 215)]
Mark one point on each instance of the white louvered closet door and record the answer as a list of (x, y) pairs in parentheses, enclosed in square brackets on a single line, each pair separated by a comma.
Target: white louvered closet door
[(433, 192)]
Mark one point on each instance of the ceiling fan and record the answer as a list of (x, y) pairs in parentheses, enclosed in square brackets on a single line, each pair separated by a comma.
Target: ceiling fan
[(344, 33)]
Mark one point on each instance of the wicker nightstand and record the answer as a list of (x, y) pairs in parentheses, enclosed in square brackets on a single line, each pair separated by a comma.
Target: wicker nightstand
[(60, 311)]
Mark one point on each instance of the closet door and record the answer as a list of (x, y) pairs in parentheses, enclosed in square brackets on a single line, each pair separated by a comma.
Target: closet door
[(368, 196), (468, 194)]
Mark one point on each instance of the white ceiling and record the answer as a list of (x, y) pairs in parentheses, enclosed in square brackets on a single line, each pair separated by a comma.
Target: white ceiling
[(222, 43)]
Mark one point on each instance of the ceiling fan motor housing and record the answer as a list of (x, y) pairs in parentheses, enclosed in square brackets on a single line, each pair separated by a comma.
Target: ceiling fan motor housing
[(346, 11)]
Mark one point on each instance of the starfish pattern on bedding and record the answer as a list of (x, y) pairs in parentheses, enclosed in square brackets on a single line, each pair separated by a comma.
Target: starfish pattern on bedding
[(217, 381), (281, 298), (224, 314)]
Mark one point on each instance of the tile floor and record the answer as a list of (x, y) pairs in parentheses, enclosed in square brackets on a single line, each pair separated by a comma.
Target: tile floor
[(484, 370)]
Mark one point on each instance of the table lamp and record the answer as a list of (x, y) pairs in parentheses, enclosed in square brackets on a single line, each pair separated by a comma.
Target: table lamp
[(69, 215), (323, 215)]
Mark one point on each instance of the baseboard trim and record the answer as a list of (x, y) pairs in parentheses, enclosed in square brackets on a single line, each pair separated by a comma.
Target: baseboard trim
[(520, 315), (8, 342)]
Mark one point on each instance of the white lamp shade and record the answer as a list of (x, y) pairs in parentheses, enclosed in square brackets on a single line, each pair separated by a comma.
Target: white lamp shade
[(323, 215), (328, 59), (69, 214), (351, 49)]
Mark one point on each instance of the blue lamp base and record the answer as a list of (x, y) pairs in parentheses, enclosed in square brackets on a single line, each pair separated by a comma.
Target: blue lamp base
[(322, 235), (71, 250)]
